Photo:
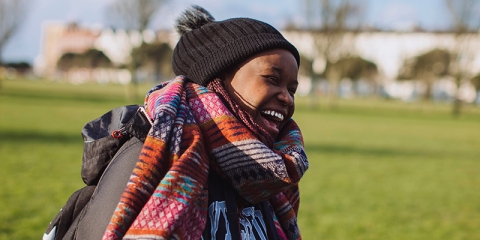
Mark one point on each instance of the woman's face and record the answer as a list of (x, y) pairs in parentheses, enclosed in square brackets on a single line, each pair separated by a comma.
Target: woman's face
[(264, 85)]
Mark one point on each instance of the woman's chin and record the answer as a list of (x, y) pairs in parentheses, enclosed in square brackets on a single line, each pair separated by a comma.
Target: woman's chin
[(272, 127)]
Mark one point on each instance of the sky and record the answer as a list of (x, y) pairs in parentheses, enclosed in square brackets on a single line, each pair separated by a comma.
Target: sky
[(386, 14)]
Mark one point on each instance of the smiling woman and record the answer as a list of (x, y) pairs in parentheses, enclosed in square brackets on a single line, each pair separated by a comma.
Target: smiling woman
[(264, 85), (223, 157)]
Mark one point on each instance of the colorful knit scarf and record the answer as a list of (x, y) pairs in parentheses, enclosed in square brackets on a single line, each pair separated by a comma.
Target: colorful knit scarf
[(166, 196)]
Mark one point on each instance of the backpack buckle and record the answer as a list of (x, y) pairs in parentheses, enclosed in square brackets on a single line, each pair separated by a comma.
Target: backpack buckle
[(117, 134)]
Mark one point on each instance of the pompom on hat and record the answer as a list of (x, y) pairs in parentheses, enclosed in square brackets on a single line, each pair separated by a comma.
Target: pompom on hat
[(207, 47)]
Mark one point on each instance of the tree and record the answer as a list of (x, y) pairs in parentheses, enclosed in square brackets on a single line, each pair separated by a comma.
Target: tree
[(465, 28), (12, 13), (67, 61), (157, 57), (427, 68), (134, 15), (333, 24), (476, 84), (92, 58), (354, 68)]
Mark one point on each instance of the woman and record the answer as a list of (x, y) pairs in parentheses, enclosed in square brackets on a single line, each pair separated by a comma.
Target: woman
[(223, 158)]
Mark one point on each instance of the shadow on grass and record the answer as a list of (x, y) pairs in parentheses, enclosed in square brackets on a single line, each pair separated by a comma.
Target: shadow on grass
[(16, 137), (64, 97), (360, 151), (38, 137)]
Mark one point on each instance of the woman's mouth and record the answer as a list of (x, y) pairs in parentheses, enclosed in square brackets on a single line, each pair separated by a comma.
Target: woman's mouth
[(271, 121), (273, 114)]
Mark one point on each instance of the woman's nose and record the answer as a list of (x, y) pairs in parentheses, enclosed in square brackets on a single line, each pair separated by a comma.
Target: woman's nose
[(286, 97)]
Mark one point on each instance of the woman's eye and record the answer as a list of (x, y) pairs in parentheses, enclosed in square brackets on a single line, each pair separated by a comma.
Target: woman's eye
[(292, 91), (273, 80)]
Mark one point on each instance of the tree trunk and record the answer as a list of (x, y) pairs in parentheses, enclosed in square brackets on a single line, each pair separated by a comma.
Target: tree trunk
[(457, 102), (429, 78), (2, 72), (428, 91), (133, 95), (134, 65), (333, 76), (477, 96), (313, 91)]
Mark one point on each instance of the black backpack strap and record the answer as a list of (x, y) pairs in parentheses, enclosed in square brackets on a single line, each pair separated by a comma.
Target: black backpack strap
[(69, 212), (139, 125), (232, 210), (94, 219), (267, 212), (104, 136)]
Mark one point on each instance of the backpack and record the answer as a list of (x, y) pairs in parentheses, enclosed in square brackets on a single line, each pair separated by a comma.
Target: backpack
[(112, 144)]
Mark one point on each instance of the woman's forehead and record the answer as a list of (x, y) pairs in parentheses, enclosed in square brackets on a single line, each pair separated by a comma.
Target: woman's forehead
[(280, 62)]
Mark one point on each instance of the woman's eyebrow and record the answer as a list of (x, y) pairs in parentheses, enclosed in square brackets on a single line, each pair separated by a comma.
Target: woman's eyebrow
[(277, 69)]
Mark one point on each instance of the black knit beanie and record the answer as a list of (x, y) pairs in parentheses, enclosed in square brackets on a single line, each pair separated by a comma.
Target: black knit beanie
[(207, 47)]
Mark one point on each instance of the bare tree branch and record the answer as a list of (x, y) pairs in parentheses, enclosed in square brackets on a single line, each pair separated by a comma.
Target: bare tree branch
[(331, 22), (12, 13), (463, 13), (133, 14), (466, 24)]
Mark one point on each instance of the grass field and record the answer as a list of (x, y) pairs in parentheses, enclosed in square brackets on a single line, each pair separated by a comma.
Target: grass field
[(378, 169)]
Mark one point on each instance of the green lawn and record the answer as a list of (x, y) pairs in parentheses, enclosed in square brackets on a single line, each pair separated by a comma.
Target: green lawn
[(378, 169), (380, 175)]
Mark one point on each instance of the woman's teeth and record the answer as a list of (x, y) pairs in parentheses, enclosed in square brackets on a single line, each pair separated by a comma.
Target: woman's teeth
[(274, 114)]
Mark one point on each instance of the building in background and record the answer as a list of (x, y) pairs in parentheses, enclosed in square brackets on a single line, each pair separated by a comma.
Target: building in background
[(387, 50), (117, 44)]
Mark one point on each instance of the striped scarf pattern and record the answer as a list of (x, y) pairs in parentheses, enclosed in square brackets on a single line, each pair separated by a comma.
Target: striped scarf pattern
[(193, 132)]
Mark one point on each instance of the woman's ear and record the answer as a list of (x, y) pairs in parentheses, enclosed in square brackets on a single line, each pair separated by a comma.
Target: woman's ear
[(225, 75), (221, 76), (228, 73)]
